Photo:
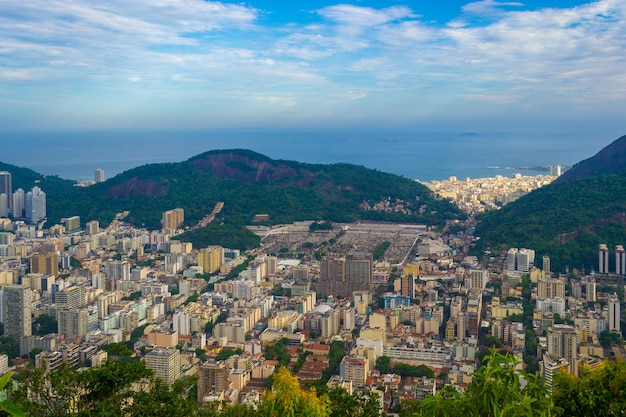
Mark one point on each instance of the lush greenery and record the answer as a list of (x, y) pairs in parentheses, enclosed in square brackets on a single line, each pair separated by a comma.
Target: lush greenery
[(225, 235), (496, 390), (383, 364), (44, 324), (248, 184), (379, 253), (106, 391), (566, 221)]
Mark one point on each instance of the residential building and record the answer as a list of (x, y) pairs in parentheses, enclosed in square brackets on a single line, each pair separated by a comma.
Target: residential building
[(165, 363), (603, 259), (35, 205), (17, 306), (45, 263), (614, 313), (6, 187)]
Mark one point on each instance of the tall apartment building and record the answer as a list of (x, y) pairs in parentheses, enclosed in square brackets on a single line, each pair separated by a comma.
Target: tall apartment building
[(165, 363), (45, 263), (4, 205), (213, 377), (548, 288), (6, 187), (358, 272), (590, 287), (98, 175), (77, 322), (17, 311), (35, 205), (614, 313), (119, 270), (563, 343), (92, 227), (71, 223), (546, 264), (477, 279), (620, 260), (520, 259), (354, 368), (173, 219), (71, 297), (407, 286), (332, 277), (603, 259), (211, 259), (18, 203)]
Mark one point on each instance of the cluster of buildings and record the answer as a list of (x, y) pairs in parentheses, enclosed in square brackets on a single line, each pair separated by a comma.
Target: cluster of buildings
[(478, 195), (184, 314), (18, 204)]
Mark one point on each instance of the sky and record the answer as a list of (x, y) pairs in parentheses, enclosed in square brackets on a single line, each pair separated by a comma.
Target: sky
[(489, 64)]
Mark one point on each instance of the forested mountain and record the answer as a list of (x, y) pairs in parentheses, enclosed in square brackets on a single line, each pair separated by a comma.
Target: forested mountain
[(248, 183), (566, 220), (610, 160)]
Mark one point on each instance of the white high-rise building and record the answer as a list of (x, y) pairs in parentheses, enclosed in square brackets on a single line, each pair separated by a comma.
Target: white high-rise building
[(35, 205), (6, 187), (18, 204), (525, 259), (117, 270), (603, 259), (99, 175), (4, 205), (511, 259), (181, 323), (614, 313), (17, 306), (620, 260)]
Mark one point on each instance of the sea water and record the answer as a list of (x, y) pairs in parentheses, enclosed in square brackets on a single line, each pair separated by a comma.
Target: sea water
[(75, 154)]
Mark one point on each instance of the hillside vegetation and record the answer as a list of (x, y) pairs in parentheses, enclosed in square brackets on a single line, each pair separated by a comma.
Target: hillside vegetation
[(564, 220), (497, 390), (248, 183)]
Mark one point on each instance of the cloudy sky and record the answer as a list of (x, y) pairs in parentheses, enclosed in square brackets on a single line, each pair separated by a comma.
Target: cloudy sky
[(191, 63)]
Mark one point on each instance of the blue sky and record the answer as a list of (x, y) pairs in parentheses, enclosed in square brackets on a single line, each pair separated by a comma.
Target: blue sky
[(554, 65)]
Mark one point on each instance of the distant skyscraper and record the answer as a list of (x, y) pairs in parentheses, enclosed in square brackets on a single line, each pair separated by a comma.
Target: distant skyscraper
[(173, 219), (35, 205), (99, 175), (620, 260), (407, 286), (4, 205), (546, 264), (92, 227), (6, 187), (556, 170), (17, 307), (563, 343), (18, 204), (614, 313), (165, 363), (603, 259)]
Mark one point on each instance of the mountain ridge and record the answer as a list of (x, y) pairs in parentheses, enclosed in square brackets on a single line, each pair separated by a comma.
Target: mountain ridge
[(250, 183), (609, 160)]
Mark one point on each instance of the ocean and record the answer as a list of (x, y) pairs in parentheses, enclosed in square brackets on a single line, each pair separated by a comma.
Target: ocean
[(76, 154)]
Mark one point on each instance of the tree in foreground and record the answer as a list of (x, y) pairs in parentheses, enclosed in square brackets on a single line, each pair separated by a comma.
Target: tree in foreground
[(596, 392), (287, 399), (495, 391)]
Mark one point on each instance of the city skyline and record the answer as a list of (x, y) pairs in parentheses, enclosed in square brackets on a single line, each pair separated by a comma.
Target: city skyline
[(191, 64)]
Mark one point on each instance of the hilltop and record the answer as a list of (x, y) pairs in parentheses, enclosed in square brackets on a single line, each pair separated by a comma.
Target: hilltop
[(568, 218), (248, 183), (610, 160)]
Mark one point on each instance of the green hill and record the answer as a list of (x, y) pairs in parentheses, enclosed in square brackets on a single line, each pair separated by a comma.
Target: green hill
[(248, 183), (565, 221)]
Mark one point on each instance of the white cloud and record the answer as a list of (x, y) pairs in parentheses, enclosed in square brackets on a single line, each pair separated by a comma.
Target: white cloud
[(210, 51), (488, 6)]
